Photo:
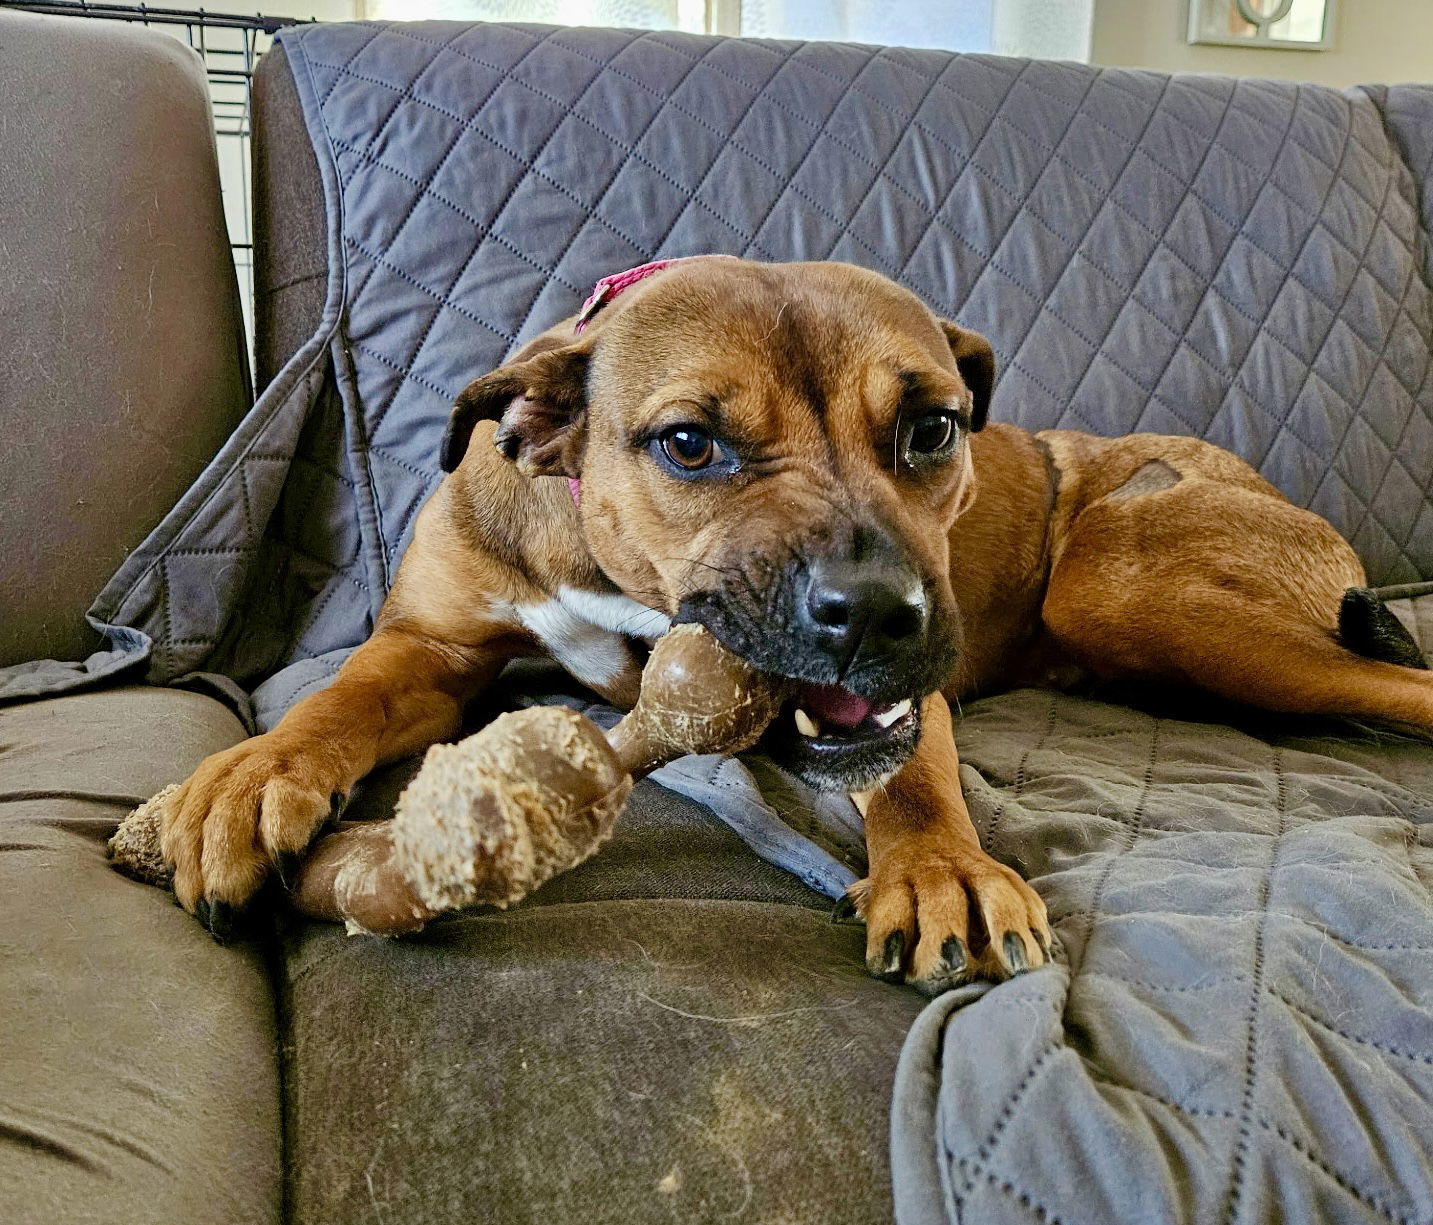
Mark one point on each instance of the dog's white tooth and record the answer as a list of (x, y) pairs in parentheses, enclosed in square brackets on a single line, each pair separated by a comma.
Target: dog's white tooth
[(899, 711), (806, 725)]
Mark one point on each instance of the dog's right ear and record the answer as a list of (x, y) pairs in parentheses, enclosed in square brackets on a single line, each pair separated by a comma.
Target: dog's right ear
[(540, 402)]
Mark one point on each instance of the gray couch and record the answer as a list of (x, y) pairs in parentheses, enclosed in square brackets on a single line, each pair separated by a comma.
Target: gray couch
[(675, 1031)]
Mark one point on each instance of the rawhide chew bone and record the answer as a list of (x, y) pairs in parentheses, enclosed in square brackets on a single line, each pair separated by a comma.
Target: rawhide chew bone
[(134, 849), (484, 822), (489, 819)]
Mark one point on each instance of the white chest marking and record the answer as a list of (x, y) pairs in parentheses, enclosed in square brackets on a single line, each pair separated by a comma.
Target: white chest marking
[(616, 612), (587, 632)]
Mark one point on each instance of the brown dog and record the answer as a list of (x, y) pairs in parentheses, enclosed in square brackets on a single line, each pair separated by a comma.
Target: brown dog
[(788, 454)]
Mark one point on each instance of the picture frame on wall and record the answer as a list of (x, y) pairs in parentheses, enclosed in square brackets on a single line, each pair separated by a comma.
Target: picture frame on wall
[(1281, 25)]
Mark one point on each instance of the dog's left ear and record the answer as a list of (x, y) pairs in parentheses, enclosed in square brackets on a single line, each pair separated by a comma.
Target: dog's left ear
[(975, 360), (540, 402)]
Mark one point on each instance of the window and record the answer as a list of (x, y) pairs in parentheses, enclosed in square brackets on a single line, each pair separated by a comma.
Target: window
[(1052, 29)]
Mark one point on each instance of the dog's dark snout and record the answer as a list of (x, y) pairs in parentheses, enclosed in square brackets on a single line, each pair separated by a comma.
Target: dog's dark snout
[(864, 608)]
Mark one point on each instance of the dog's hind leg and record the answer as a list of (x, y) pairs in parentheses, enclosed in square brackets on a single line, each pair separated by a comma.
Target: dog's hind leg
[(1235, 592)]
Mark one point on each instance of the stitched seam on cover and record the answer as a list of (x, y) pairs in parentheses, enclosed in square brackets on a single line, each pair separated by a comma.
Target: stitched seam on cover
[(1376, 1202), (1361, 260), (1304, 1151), (1034, 214), (735, 127), (1383, 480), (1135, 826), (161, 649), (1358, 1039), (1020, 779), (973, 1169), (444, 297), (426, 289), (1220, 980), (790, 179), (1315, 220), (484, 231), (1239, 1164), (1024, 1199), (380, 132), (358, 290), (1134, 284), (616, 174), (1198, 1112), (1153, 383), (883, 169), (945, 199), (667, 99), (1224, 254), (353, 55), (1282, 423)]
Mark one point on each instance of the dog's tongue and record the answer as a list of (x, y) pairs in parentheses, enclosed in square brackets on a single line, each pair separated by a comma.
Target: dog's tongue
[(832, 704)]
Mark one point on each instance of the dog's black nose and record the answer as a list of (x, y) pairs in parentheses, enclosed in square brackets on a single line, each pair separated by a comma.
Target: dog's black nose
[(862, 610)]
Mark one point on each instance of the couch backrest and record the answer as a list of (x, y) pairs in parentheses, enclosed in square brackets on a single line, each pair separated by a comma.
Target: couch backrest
[(122, 368), (1242, 260)]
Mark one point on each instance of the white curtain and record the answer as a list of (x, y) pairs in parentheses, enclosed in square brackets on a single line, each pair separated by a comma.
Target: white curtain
[(1049, 29), (689, 15)]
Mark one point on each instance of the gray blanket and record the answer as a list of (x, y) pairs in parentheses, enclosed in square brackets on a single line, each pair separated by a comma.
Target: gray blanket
[(1240, 1026)]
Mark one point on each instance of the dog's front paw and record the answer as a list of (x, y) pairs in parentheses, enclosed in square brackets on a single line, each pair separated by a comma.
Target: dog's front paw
[(936, 919), (243, 812)]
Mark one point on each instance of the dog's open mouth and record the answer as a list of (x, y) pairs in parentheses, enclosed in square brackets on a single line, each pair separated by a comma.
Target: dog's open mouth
[(837, 740), (823, 712)]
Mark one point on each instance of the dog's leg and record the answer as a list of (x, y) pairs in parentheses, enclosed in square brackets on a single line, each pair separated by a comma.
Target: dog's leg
[(1230, 591), (939, 911), (443, 634), (260, 803)]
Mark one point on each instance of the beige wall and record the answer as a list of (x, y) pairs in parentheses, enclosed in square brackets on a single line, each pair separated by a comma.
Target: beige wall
[(1375, 41)]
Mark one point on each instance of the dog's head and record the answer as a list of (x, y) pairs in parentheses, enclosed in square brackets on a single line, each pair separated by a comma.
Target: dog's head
[(776, 451)]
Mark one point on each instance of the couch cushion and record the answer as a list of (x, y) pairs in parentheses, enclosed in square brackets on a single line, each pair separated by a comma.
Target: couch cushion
[(623, 1046), (140, 1081), (123, 367), (624, 1062)]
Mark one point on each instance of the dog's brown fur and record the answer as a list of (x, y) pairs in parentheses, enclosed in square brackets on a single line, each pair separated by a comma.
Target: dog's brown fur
[(1146, 557)]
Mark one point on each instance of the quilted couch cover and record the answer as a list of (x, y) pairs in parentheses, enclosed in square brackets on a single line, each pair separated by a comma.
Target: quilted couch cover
[(1240, 1027)]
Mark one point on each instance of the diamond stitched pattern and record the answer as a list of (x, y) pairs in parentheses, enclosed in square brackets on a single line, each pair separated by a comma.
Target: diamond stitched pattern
[(1240, 260)]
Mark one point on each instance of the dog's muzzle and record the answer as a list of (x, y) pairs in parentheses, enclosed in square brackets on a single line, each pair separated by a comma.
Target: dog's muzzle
[(863, 643)]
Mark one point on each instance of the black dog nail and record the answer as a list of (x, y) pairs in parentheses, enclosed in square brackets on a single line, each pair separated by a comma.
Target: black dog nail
[(201, 912), (888, 965), (1044, 944), (336, 801), (1015, 953), (844, 910), (221, 920), (953, 954)]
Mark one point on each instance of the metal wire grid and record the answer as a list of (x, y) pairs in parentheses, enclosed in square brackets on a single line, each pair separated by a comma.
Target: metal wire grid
[(230, 45)]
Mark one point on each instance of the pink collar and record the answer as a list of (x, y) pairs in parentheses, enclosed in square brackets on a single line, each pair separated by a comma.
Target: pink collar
[(610, 286)]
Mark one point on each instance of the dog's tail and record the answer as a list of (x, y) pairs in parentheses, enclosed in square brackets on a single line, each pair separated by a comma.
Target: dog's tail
[(1367, 628)]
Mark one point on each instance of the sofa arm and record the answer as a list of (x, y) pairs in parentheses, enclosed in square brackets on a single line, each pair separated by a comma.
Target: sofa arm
[(123, 367)]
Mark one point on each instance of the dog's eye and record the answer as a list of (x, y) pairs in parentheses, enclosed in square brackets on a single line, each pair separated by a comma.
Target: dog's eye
[(689, 447), (931, 433)]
